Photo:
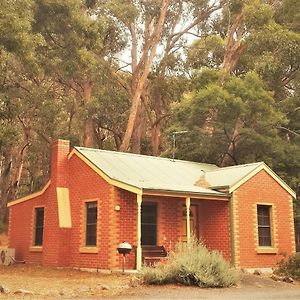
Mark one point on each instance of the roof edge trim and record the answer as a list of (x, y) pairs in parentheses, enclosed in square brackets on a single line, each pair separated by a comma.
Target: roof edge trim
[(259, 168), (183, 194), (29, 197), (114, 182)]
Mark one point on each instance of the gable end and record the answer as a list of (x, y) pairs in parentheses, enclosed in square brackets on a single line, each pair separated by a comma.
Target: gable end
[(270, 172), (103, 175)]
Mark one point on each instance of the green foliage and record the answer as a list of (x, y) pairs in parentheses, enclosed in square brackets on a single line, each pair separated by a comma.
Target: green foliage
[(290, 267), (213, 110), (208, 51), (51, 50), (192, 264), (3, 227)]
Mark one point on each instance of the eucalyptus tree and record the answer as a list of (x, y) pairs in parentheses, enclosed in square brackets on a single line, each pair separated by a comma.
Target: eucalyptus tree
[(79, 41), (17, 47), (158, 31)]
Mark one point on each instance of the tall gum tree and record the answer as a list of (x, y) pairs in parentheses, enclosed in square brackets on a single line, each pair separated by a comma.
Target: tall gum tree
[(157, 30), (80, 38)]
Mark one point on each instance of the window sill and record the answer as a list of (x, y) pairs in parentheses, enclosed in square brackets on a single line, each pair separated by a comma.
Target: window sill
[(267, 250), (36, 249), (88, 250)]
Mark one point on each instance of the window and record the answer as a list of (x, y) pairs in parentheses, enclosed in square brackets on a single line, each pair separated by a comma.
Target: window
[(264, 225), (91, 224), (149, 224), (39, 226)]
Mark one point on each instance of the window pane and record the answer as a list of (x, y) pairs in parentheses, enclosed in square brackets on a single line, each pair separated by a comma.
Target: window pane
[(263, 214), (39, 226), (39, 217), (91, 237), (264, 236), (91, 224), (264, 225), (149, 224)]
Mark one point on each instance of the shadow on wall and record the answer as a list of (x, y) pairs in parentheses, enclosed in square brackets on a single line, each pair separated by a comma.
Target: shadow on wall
[(297, 234)]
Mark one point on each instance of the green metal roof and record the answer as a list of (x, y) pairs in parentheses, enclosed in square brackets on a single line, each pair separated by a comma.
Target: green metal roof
[(229, 176), (164, 174)]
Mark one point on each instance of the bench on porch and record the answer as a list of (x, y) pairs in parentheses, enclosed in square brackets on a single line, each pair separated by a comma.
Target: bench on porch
[(153, 254)]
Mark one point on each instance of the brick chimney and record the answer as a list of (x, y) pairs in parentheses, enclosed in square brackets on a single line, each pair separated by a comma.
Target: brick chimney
[(59, 163)]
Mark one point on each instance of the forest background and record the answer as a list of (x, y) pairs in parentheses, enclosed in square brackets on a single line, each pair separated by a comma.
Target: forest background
[(126, 74)]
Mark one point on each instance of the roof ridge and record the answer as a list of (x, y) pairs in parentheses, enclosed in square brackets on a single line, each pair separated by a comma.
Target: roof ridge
[(142, 155), (237, 166)]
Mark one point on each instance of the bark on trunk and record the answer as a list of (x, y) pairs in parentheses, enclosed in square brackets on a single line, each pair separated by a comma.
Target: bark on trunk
[(4, 183), (141, 72), (156, 127), (235, 46), (138, 131), (88, 127), (229, 155), (11, 174)]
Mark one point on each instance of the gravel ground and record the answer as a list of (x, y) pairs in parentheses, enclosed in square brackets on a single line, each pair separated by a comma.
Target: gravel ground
[(35, 282), (38, 282)]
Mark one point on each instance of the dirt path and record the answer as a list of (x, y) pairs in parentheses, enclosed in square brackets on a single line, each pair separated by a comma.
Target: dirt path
[(50, 283), (250, 288)]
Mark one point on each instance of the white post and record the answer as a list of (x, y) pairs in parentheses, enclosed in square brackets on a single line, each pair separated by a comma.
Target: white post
[(139, 232), (188, 228)]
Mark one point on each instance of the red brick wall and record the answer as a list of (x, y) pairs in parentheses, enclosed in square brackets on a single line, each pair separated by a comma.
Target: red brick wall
[(127, 225), (86, 184), (262, 188), (59, 163), (214, 225), (56, 240), (169, 224), (21, 228)]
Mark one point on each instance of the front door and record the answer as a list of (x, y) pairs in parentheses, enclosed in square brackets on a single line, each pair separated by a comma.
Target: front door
[(149, 224), (193, 222)]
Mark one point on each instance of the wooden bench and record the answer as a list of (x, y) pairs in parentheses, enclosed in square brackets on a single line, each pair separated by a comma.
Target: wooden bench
[(153, 254)]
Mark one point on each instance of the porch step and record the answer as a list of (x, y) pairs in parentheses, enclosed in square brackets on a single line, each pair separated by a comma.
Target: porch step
[(153, 254)]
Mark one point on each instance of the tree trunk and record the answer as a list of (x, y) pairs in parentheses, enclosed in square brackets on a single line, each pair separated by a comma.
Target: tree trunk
[(141, 72), (229, 155), (11, 176), (138, 131), (156, 127), (235, 46), (5, 184), (88, 126)]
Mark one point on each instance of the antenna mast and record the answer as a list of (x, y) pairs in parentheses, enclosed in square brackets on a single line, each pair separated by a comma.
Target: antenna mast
[(174, 140)]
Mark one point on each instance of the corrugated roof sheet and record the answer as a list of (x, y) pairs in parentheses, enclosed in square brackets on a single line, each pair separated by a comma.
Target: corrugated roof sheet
[(164, 174), (229, 176)]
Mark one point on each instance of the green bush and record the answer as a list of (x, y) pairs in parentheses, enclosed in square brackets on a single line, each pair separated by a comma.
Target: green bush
[(192, 264), (290, 267)]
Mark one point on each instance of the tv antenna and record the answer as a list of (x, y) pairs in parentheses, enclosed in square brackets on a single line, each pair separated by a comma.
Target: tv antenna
[(174, 140)]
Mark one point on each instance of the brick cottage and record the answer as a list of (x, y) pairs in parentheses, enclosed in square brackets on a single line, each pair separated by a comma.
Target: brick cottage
[(97, 199)]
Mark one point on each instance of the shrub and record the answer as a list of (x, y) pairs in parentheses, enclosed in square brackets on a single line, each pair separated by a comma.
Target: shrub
[(192, 264), (290, 267)]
